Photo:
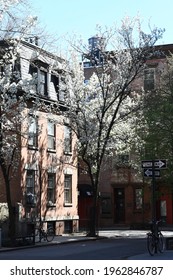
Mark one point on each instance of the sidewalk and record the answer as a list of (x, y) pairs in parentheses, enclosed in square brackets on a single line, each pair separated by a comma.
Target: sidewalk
[(57, 240), (60, 239), (79, 237)]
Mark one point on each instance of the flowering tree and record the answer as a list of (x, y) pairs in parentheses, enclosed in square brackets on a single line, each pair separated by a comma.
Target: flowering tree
[(101, 110), (13, 26)]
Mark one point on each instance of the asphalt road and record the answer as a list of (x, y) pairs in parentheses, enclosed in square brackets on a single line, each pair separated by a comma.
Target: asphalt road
[(103, 249)]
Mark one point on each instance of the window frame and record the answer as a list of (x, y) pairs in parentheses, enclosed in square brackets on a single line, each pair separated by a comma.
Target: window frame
[(123, 159), (33, 134), (55, 80), (42, 82), (32, 180), (51, 189), (67, 139), (40, 69), (51, 136), (106, 205), (2, 70), (138, 199), (67, 189), (149, 79)]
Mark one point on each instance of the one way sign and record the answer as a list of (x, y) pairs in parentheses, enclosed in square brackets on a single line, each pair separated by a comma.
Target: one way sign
[(149, 172), (158, 163)]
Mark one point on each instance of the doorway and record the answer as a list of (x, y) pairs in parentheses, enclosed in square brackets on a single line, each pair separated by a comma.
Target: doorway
[(119, 205)]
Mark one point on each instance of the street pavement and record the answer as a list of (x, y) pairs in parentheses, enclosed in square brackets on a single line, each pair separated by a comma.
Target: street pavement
[(79, 237), (166, 255)]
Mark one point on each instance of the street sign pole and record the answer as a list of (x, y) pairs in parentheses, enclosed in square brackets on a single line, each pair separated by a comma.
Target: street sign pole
[(153, 173), (153, 192), (154, 200)]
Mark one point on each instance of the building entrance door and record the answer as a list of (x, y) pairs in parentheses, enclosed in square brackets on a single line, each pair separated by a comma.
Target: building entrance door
[(119, 205)]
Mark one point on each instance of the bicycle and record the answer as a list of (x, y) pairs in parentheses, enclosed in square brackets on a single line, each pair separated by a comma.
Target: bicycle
[(155, 239), (48, 235)]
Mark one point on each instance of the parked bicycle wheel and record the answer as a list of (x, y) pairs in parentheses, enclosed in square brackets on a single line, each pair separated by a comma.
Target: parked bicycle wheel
[(50, 234), (161, 243), (151, 244)]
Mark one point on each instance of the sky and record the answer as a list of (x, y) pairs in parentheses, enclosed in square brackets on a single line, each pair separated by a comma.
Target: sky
[(67, 17)]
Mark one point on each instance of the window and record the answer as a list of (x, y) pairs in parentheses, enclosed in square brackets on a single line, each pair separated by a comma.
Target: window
[(68, 189), (55, 81), (30, 188), (62, 89), (67, 140), (105, 205), (123, 159), (34, 70), (42, 86), (33, 132), (138, 199), (51, 189), (16, 71), (87, 64), (51, 135), (1, 71), (149, 79), (30, 182)]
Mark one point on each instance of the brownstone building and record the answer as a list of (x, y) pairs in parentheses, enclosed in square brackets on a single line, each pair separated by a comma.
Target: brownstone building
[(125, 195), (44, 185)]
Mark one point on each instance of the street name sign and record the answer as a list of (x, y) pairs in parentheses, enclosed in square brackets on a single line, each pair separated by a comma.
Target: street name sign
[(158, 163), (149, 172)]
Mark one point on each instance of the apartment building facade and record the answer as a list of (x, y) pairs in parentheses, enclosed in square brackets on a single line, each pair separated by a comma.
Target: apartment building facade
[(44, 185), (125, 196)]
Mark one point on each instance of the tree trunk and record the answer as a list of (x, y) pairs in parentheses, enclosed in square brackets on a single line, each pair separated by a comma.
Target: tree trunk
[(93, 222), (12, 224)]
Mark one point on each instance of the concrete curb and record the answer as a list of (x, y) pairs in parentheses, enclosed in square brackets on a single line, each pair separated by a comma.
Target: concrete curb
[(53, 243)]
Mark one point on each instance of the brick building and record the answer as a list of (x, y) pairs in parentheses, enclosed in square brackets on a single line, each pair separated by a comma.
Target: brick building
[(44, 186), (126, 196)]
